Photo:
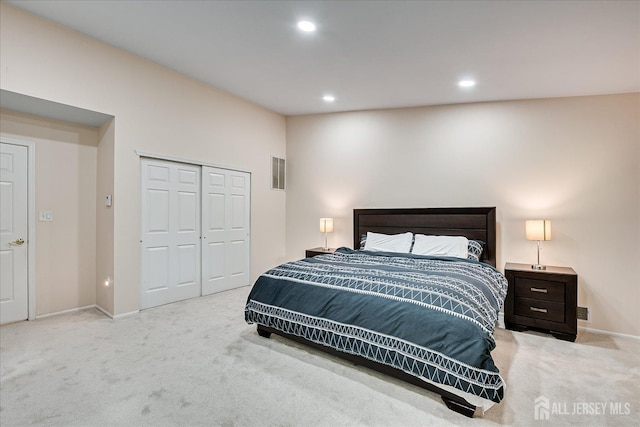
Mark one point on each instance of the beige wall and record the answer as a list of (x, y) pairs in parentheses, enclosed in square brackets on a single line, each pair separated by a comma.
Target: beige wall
[(575, 161), (572, 160), (65, 184), (155, 110), (104, 216)]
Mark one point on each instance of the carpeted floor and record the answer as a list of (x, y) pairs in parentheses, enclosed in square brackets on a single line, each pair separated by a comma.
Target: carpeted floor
[(197, 363)]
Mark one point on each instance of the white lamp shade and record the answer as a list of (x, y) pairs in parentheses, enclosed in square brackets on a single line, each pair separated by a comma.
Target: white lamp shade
[(538, 229), (326, 225)]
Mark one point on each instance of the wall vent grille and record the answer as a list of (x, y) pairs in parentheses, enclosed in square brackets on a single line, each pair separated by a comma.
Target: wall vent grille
[(277, 173), (583, 313)]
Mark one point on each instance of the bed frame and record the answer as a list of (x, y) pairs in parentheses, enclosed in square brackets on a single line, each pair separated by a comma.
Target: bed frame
[(473, 223)]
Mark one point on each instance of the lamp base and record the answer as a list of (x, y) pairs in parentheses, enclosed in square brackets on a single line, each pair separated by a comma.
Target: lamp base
[(538, 267)]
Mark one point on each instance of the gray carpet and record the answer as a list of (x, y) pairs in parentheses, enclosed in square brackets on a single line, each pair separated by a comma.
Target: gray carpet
[(197, 363)]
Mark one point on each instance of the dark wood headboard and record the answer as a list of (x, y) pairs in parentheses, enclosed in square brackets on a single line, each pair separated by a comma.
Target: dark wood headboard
[(472, 223)]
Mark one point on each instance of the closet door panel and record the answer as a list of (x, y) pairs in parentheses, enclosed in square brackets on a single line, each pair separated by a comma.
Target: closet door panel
[(170, 241), (226, 229)]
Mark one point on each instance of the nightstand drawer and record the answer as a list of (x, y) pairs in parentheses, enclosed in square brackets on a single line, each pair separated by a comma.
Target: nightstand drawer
[(539, 289), (539, 309)]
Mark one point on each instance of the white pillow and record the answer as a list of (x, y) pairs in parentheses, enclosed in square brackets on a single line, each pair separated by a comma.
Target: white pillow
[(388, 242), (456, 246)]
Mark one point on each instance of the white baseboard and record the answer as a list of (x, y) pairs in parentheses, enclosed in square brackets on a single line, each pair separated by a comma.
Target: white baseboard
[(97, 307), (580, 328), (117, 316), (500, 320), (131, 313), (615, 334), (71, 310), (103, 311)]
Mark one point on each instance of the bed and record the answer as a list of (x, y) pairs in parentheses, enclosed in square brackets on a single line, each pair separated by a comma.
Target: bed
[(427, 320)]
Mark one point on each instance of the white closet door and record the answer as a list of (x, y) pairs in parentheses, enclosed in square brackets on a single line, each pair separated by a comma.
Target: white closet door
[(13, 233), (226, 207), (170, 262)]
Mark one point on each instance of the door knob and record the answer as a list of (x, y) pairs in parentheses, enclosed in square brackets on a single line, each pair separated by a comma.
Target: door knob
[(18, 242)]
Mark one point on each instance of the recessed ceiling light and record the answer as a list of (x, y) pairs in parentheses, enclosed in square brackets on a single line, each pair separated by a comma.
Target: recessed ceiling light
[(466, 83), (307, 26), (329, 98)]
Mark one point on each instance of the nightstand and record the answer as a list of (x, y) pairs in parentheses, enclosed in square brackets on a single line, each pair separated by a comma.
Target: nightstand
[(542, 299), (318, 251)]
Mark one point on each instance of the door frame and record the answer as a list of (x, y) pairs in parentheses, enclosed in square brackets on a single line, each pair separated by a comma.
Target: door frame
[(31, 217)]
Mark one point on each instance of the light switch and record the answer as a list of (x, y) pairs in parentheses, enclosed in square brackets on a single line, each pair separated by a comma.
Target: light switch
[(108, 200), (46, 216)]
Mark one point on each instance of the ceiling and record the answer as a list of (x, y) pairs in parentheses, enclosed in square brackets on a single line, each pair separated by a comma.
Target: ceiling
[(374, 54)]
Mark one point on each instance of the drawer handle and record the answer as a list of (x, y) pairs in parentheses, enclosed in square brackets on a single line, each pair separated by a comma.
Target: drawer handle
[(541, 290), (539, 310)]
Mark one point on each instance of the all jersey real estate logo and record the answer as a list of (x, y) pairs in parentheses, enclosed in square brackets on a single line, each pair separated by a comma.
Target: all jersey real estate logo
[(543, 408)]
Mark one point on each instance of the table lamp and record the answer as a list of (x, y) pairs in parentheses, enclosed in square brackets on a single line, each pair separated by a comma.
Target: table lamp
[(538, 229), (326, 226)]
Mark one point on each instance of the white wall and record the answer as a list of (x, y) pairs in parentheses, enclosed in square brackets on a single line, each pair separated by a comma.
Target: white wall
[(155, 110), (575, 161), (66, 185)]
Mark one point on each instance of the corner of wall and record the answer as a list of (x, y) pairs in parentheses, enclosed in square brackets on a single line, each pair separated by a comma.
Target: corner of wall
[(105, 272)]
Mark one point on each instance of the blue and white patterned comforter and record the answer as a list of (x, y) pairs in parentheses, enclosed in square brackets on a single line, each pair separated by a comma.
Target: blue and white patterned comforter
[(431, 317)]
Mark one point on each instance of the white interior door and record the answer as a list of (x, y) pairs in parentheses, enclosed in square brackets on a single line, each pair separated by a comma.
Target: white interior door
[(170, 261), (13, 233), (226, 208)]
